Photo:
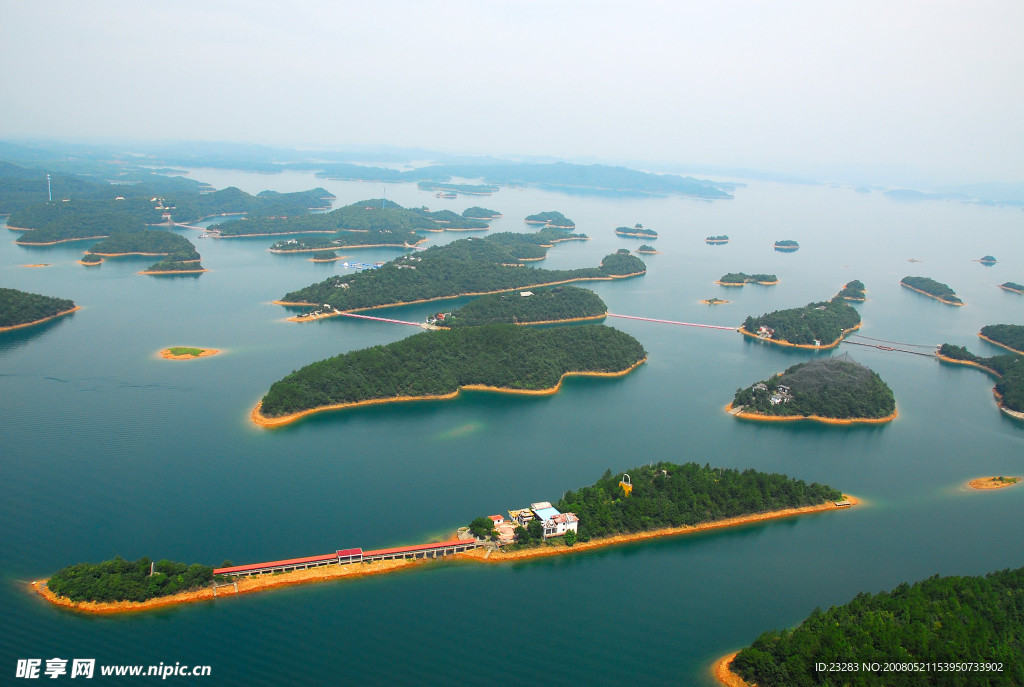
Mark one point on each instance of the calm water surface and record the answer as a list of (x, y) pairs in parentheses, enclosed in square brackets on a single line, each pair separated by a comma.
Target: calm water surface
[(108, 450)]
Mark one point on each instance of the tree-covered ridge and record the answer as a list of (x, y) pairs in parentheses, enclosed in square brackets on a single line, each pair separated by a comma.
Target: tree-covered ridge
[(836, 388), (549, 304), (670, 495), (144, 241), (933, 288), (81, 219), (822, 322), (744, 278), (938, 620), (177, 262), (853, 291), (638, 231), (1010, 335), (477, 212), (121, 580), (472, 189), (786, 245), (467, 266), (440, 362), (551, 218), (451, 220), (234, 201), (20, 307), (1012, 286), (1009, 367)]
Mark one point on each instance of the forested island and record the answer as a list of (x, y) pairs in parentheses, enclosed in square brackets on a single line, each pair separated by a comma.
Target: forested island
[(461, 268), (90, 260), (828, 389), (470, 189), (816, 325), (637, 231), (121, 580), (714, 301), (853, 291), (1008, 369), (325, 256), (477, 212), (647, 249), (787, 246), (50, 223), (939, 621), (372, 238), (551, 218), (1009, 336), (144, 242), (541, 306), (717, 240), (176, 263), (23, 309), (741, 278), (438, 364), (929, 287), (987, 260), (234, 201), (1012, 286)]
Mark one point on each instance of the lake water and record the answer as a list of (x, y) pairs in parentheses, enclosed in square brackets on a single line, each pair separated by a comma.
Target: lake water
[(109, 450)]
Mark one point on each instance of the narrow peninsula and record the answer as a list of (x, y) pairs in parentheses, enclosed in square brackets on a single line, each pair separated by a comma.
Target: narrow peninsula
[(933, 289), (1008, 369), (829, 390), (20, 309), (550, 305), (817, 326), (438, 364)]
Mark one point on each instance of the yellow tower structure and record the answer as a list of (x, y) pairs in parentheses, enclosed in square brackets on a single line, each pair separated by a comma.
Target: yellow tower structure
[(627, 484)]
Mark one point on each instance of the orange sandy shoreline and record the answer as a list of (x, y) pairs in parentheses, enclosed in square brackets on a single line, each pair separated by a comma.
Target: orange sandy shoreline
[(744, 283), (54, 243), (173, 271), (205, 352), (718, 302), (991, 341), (722, 671), (45, 319), (925, 293), (324, 573), (816, 418), (823, 347), (38, 264), (444, 298), (971, 363), (989, 483), (262, 420), (1012, 290)]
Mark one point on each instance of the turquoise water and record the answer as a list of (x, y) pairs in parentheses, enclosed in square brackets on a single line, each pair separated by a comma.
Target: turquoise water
[(109, 450)]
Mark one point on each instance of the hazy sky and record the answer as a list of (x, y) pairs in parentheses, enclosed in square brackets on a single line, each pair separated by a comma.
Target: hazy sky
[(786, 85)]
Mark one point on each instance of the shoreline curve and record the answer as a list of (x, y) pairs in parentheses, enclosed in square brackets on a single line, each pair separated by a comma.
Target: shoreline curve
[(990, 483), (996, 343), (823, 347), (925, 293), (814, 418), (45, 319)]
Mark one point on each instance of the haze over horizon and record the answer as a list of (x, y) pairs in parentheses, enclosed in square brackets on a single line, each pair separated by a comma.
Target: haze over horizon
[(796, 87)]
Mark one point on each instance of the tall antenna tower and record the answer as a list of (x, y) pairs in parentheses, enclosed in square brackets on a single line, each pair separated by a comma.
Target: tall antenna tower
[(49, 193), (383, 197)]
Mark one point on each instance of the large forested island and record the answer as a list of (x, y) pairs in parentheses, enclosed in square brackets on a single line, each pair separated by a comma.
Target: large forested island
[(438, 364), (741, 278), (829, 389), (465, 267), (976, 621), (816, 325), (1008, 368), (934, 289), (1009, 336), (121, 580), (541, 306), (23, 309), (551, 218), (637, 231)]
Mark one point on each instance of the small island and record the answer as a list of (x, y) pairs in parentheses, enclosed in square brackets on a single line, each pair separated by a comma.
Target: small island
[(941, 621), (853, 291), (142, 242), (1008, 336), (816, 325), (742, 278), (477, 212), (714, 301), (1008, 369), (549, 305), (988, 483), (1013, 287), (829, 390), (90, 260), (325, 256), (468, 189), (551, 218), (438, 364), (719, 240), (637, 231), (787, 246), (987, 260), (647, 249), (933, 289), (176, 263), (187, 353), (20, 309)]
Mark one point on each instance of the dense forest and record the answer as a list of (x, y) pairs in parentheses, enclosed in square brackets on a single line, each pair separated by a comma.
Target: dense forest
[(324, 255), (477, 212), (1009, 368), (938, 620), (853, 291), (1012, 286), (822, 322), (446, 219), (440, 362), (121, 580), (234, 201), (177, 262), (144, 241), (551, 218), (637, 231), (90, 259), (829, 387), (81, 219), (1010, 335), (742, 278), (462, 267), (933, 288), (544, 305), (20, 307), (670, 495), (647, 248)]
